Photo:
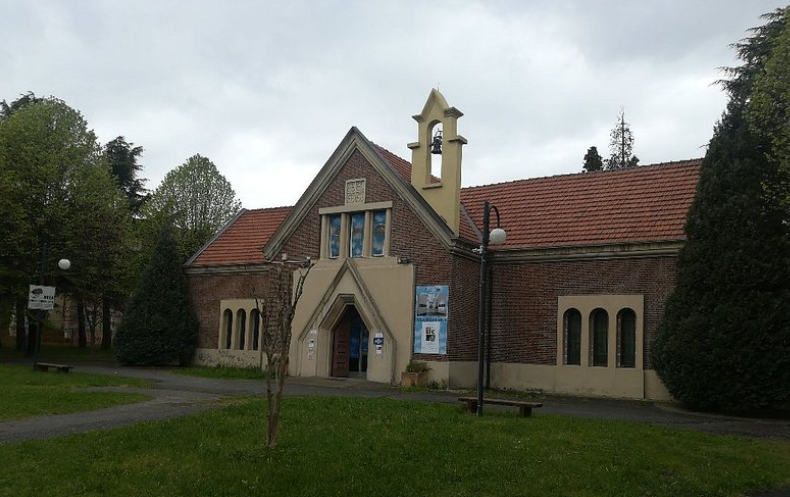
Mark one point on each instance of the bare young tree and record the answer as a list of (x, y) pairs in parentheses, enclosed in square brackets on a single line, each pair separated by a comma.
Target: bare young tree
[(277, 311)]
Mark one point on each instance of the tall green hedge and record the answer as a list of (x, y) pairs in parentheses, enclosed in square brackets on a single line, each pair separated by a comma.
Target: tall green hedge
[(160, 326)]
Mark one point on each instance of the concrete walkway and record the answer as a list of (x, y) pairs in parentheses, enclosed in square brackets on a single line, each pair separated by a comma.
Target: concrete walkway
[(178, 395)]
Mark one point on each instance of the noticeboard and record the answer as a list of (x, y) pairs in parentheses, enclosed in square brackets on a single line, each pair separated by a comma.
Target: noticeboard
[(41, 297)]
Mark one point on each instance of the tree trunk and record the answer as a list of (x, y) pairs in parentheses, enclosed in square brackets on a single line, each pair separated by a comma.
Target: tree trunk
[(106, 324), (83, 340), (274, 415), (31, 335), (21, 332)]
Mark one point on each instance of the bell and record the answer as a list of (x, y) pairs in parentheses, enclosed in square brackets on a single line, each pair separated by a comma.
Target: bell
[(436, 145)]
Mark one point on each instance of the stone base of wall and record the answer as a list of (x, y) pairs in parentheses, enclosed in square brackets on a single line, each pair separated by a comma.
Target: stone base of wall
[(227, 358), (586, 382)]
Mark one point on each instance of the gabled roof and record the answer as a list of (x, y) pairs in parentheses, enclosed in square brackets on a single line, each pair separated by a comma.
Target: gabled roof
[(243, 238), (636, 205), (633, 205)]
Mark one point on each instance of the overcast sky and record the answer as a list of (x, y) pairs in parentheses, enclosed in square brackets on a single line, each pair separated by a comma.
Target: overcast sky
[(268, 89)]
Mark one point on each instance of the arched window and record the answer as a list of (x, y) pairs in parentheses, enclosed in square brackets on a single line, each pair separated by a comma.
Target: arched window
[(599, 328), (255, 318), (626, 338), (573, 337), (241, 319), (228, 328)]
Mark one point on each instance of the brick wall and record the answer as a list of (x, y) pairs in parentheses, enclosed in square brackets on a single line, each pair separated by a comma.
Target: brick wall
[(410, 238), (207, 290), (524, 308)]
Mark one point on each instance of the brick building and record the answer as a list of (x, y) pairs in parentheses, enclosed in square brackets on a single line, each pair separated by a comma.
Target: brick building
[(576, 291)]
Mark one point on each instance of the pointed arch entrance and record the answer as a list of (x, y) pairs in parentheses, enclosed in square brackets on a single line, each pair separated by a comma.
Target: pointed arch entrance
[(350, 345)]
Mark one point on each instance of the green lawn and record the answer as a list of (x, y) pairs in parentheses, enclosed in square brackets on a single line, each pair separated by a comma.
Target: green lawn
[(379, 447), (62, 354), (26, 393), (222, 372)]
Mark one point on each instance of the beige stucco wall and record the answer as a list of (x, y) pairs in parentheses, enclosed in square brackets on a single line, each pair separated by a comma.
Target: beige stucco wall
[(382, 291)]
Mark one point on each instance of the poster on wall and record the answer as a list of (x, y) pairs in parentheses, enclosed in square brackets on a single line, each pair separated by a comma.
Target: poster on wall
[(430, 319)]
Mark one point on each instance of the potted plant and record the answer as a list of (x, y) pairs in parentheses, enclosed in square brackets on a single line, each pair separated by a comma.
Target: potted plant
[(416, 375)]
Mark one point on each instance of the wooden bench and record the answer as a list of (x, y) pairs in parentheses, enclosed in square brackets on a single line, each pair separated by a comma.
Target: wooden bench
[(45, 366), (524, 408)]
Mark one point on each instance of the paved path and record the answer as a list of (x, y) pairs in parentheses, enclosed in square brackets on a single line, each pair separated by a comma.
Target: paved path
[(178, 395)]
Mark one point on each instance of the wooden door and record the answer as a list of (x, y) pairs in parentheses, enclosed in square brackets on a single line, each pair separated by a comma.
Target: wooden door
[(340, 344)]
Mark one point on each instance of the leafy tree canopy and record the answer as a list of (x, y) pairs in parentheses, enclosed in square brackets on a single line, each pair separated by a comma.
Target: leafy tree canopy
[(196, 199)]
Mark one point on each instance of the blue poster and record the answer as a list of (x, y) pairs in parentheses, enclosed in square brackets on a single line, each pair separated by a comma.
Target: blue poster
[(430, 319)]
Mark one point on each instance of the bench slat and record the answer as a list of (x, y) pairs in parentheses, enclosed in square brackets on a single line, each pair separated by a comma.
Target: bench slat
[(524, 408)]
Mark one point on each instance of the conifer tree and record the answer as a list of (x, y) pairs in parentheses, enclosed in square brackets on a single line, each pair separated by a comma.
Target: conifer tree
[(160, 325), (724, 340), (621, 145), (592, 160)]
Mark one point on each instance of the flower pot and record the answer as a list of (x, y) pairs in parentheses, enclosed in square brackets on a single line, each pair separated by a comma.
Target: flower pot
[(408, 379)]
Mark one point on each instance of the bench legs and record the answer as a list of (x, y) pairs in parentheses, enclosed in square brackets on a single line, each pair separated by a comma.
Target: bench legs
[(525, 411)]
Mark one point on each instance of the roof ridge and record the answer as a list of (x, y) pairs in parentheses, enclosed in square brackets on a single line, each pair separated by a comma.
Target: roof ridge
[(259, 209), (677, 163)]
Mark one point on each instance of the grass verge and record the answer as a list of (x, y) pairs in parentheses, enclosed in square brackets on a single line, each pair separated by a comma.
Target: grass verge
[(348, 446), (26, 393), (222, 373)]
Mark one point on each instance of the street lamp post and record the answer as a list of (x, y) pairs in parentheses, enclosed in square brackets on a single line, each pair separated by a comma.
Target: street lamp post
[(496, 236), (63, 264)]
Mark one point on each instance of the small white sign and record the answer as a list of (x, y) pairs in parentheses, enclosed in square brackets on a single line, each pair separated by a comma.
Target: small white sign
[(41, 297)]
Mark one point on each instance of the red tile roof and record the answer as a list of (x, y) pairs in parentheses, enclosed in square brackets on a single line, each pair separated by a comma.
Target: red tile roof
[(243, 240), (639, 204)]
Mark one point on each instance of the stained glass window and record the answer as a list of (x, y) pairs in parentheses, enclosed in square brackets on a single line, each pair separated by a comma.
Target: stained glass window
[(334, 236), (357, 234), (379, 231)]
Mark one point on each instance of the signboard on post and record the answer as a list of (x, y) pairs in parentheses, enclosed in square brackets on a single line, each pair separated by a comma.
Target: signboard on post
[(41, 297)]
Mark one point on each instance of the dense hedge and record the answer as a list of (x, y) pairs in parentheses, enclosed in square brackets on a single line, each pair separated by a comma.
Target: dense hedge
[(160, 326)]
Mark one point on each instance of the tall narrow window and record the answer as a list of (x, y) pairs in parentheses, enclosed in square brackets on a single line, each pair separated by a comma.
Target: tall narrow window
[(357, 234), (599, 324), (241, 318), (255, 317), (228, 328), (379, 230), (573, 337), (626, 338), (334, 236)]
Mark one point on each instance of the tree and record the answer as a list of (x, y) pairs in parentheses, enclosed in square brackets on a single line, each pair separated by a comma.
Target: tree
[(724, 340), (592, 160), (99, 244), (159, 326), (277, 311), (43, 144), (621, 145), (122, 157), (196, 199), (769, 106), (6, 109)]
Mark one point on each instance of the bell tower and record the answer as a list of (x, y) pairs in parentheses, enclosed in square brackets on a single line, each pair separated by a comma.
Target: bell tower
[(438, 141)]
